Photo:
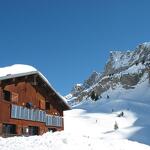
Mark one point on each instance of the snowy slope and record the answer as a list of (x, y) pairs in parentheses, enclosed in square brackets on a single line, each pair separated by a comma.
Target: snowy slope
[(135, 103)]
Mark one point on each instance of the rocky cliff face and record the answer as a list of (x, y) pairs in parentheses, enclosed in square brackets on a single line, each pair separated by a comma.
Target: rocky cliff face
[(123, 68)]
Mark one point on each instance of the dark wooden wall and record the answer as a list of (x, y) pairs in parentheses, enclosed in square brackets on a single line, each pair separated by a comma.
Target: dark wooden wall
[(27, 93)]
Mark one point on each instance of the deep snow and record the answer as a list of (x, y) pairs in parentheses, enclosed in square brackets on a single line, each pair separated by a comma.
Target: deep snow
[(89, 131)]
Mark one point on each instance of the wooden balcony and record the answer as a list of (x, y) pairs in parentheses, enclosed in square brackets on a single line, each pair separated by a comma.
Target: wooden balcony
[(37, 115)]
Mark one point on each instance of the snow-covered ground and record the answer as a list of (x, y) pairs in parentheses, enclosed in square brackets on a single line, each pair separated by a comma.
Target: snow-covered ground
[(83, 130), (90, 125)]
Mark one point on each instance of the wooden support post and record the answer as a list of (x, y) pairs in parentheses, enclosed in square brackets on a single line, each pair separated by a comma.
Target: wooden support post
[(1, 128), (19, 130)]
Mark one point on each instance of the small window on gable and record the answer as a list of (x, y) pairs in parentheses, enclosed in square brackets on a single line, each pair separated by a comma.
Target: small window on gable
[(7, 95)]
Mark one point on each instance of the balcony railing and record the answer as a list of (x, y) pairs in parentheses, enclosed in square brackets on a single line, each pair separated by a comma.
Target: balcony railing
[(20, 112)]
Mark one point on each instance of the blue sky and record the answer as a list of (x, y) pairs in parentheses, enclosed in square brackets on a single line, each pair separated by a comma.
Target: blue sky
[(68, 39)]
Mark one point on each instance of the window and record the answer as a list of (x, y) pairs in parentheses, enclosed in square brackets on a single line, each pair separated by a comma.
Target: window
[(7, 95), (14, 111), (33, 130), (49, 120), (9, 129), (54, 120), (36, 115), (10, 96), (19, 112), (32, 114), (42, 115), (25, 113), (52, 130)]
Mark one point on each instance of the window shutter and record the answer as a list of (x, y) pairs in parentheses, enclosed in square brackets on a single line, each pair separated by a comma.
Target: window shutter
[(14, 97), (42, 104)]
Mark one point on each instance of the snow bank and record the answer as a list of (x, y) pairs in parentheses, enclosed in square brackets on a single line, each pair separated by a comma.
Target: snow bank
[(67, 141)]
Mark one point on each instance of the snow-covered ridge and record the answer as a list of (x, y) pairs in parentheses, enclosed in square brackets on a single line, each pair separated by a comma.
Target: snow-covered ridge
[(121, 59), (146, 44)]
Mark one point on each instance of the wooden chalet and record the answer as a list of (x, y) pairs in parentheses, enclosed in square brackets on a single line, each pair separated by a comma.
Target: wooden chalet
[(29, 105)]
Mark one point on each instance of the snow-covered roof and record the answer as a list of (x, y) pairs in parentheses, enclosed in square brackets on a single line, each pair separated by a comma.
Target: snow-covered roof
[(19, 70), (16, 71)]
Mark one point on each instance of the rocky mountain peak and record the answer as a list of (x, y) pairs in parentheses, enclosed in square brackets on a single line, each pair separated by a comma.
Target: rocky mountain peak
[(125, 68), (122, 60)]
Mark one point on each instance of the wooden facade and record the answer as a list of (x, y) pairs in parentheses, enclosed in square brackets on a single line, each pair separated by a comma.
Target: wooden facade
[(29, 105)]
